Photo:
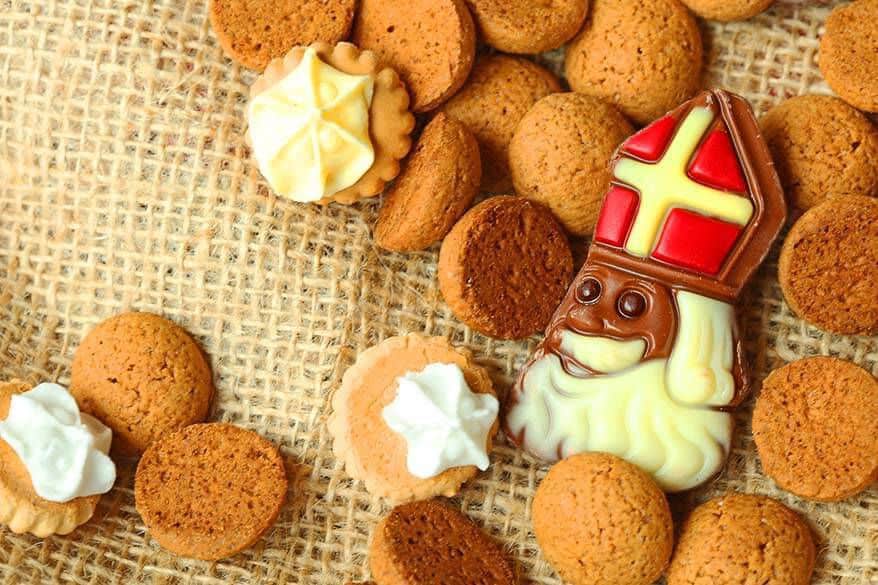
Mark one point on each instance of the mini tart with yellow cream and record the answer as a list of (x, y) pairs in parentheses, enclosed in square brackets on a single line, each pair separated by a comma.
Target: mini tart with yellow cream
[(328, 123)]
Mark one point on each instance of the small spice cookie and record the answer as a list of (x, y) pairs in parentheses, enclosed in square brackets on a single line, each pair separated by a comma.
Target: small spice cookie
[(429, 543), (600, 520), (827, 265), (505, 266), (378, 433), (741, 538), (525, 26), (496, 97), (645, 56), (822, 147), (143, 376), (256, 31), (431, 43), (816, 428), (560, 156), (439, 181), (327, 123), (21, 509), (849, 53), (726, 10), (210, 490)]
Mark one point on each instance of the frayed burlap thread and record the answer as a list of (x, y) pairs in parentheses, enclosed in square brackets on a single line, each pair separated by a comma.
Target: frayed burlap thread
[(125, 183)]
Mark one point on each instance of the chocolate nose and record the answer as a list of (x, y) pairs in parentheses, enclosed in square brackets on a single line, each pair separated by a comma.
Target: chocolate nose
[(586, 319)]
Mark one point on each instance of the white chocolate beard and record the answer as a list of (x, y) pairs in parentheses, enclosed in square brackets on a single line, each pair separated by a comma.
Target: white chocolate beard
[(602, 354)]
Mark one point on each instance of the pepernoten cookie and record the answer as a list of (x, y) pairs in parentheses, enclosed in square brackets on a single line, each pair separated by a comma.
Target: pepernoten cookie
[(827, 265), (143, 376), (560, 156), (256, 31), (495, 98), (431, 43), (600, 520), (414, 417), (210, 490), (644, 56), (726, 10), (504, 267), (525, 26), (742, 538), (849, 53), (429, 543), (816, 428), (439, 181), (822, 148)]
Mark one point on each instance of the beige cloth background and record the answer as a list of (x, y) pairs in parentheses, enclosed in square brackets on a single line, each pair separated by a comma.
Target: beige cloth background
[(125, 184)]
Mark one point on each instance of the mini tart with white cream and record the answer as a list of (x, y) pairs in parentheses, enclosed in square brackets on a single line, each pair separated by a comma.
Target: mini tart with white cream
[(328, 123), (80, 468), (414, 418)]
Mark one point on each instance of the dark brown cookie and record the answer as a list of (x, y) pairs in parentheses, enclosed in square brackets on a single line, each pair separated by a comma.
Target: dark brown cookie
[(210, 490), (253, 32), (849, 53), (741, 538), (816, 427), (828, 262), (505, 266), (528, 26), (429, 543)]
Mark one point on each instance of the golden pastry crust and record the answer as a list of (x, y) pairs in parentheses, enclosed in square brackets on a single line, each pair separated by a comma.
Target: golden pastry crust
[(849, 53), (21, 509), (370, 450), (728, 10), (390, 122), (528, 26)]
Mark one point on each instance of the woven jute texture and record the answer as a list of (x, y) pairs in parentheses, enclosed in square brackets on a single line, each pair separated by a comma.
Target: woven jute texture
[(125, 183)]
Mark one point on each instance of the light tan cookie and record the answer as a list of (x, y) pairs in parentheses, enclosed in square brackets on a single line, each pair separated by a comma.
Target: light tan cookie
[(742, 538), (560, 156), (600, 520), (21, 509), (505, 266), (431, 43), (644, 56), (827, 265), (496, 97), (371, 451), (210, 490), (528, 26), (816, 427), (439, 181), (726, 10), (256, 31), (429, 543), (849, 53), (822, 148)]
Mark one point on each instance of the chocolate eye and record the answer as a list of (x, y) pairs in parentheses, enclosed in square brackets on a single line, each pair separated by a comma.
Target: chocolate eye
[(631, 304), (589, 291)]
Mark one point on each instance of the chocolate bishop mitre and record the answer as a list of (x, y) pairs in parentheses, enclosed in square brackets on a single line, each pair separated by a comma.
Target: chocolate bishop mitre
[(695, 200)]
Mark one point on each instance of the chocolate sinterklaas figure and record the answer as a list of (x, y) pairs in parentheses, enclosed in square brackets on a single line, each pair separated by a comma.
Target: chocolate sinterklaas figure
[(643, 358)]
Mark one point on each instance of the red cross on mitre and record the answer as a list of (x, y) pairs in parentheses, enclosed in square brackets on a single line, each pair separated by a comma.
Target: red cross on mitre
[(694, 193)]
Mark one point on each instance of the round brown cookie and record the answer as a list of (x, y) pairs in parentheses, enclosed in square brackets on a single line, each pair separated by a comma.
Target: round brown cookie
[(849, 53), (361, 438), (440, 180), (525, 26), (210, 490), (505, 266), (253, 32), (496, 97), (600, 520), (143, 376), (644, 56), (429, 543), (816, 428), (430, 43), (560, 156), (822, 147), (742, 538), (726, 10), (827, 265)]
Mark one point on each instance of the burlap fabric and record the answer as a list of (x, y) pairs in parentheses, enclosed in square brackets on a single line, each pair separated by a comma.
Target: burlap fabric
[(125, 184)]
